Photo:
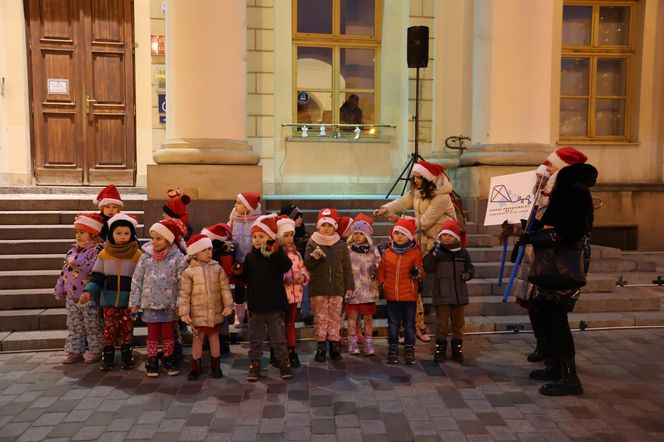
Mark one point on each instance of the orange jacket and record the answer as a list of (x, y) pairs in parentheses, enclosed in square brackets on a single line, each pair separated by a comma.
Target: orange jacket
[(394, 274)]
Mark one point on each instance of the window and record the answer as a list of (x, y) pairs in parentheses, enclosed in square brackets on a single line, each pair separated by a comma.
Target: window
[(336, 46), (597, 51)]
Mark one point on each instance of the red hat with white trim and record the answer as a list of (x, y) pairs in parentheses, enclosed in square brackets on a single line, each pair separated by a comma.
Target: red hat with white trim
[(343, 226), (285, 224), (250, 200), (429, 171), (198, 243), (452, 228), (407, 226), (219, 232), (175, 207), (89, 222), (566, 156), (123, 217), (108, 195), (327, 215), (170, 229), (266, 224)]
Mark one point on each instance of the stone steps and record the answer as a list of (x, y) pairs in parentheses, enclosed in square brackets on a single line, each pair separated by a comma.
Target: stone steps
[(45, 217), (43, 231), (63, 202)]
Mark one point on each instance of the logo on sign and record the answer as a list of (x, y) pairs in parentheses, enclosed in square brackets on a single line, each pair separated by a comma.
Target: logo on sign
[(303, 98), (162, 103)]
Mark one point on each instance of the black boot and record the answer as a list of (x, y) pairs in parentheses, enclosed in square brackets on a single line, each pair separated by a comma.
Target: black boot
[(107, 358), (335, 353), (170, 367), (127, 359), (457, 354), (441, 349), (293, 358), (177, 354), (225, 344), (409, 354), (393, 354), (152, 367), (215, 368), (320, 351), (551, 372), (273, 360), (538, 354), (569, 383), (195, 371)]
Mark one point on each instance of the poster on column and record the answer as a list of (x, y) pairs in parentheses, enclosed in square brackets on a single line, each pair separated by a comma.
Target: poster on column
[(510, 198)]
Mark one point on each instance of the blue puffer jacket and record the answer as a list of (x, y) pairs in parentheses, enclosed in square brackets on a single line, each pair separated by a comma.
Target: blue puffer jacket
[(156, 284)]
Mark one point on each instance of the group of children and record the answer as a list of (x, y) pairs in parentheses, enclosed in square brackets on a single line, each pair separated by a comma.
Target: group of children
[(272, 264)]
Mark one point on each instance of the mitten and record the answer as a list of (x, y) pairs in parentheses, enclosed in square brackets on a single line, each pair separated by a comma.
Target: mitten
[(436, 249), (467, 275), (237, 268), (415, 273), (228, 248)]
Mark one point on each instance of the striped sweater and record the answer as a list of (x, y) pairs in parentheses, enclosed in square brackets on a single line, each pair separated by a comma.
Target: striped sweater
[(111, 279)]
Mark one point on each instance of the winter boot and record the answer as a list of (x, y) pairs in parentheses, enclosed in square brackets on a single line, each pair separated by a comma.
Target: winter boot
[(273, 360), (293, 358), (152, 367), (177, 354), (393, 354), (240, 313), (441, 349), (215, 367), (335, 353), (569, 383), (195, 371), (225, 344), (353, 349), (107, 358), (127, 358), (538, 354), (285, 370), (457, 354), (320, 351), (551, 372), (368, 346), (254, 371), (409, 354), (170, 367)]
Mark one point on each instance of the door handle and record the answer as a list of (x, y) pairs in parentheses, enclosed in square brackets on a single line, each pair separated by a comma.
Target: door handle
[(88, 101)]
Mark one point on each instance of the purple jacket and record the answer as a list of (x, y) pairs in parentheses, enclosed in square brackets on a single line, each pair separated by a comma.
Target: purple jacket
[(76, 270)]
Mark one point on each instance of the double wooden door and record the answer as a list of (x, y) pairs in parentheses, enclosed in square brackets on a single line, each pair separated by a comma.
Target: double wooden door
[(82, 91)]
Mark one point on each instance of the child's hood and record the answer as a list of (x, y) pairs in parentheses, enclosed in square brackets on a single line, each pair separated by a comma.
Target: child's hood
[(147, 249)]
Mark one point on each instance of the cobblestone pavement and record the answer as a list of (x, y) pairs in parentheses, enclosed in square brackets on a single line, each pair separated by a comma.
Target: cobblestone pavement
[(489, 398)]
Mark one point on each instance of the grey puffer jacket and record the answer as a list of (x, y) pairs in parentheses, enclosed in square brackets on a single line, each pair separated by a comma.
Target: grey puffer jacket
[(447, 268)]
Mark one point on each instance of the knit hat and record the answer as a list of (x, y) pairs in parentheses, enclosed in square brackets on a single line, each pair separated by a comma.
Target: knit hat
[(198, 243), (170, 229), (406, 226), (89, 222), (250, 200), (175, 207), (285, 224), (291, 211), (108, 195), (566, 156), (328, 216), (219, 232), (266, 224), (343, 226), (364, 225), (429, 171), (452, 228)]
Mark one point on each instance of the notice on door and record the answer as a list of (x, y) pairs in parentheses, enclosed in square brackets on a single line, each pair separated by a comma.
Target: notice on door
[(58, 86)]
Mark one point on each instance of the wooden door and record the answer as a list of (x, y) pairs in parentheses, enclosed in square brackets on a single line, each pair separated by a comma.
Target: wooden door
[(82, 91)]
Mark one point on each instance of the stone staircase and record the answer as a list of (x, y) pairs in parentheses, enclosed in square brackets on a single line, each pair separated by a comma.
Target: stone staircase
[(35, 232)]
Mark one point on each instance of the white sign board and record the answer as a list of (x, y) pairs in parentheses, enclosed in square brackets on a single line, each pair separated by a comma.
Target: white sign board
[(58, 86), (510, 198)]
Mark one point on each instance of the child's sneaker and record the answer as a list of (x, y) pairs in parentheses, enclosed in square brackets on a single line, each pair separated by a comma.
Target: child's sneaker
[(107, 358), (409, 355), (152, 367), (285, 370), (254, 371), (91, 358), (368, 346), (71, 358), (170, 367), (353, 348), (393, 354)]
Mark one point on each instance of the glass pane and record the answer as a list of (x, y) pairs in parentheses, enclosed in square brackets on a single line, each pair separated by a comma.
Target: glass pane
[(356, 108), (357, 17), (573, 117), (314, 68), (611, 76), (614, 25), (314, 16), (314, 107), (610, 117), (357, 69), (577, 23), (574, 76)]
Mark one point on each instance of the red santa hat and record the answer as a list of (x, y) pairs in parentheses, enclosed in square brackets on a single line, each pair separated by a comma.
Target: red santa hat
[(176, 206), (266, 224), (170, 229), (566, 156), (89, 222), (343, 226), (407, 226), (328, 215), (198, 243), (452, 228), (123, 217), (108, 195), (429, 171), (219, 232), (250, 200), (285, 224)]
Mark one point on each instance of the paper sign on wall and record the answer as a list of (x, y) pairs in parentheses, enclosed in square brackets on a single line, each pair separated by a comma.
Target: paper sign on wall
[(510, 198), (58, 86)]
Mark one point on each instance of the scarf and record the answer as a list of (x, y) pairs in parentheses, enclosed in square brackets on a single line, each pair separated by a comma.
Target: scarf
[(325, 240), (400, 250), (123, 251), (159, 256), (360, 248), (248, 217), (453, 247)]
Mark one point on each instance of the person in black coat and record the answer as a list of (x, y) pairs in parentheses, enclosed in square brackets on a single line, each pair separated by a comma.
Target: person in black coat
[(565, 223)]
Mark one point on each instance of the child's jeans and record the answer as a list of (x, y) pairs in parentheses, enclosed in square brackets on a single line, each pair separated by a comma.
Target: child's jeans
[(305, 305), (327, 317), (291, 313), (273, 324), (117, 321), (165, 330), (84, 326), (446, 314), (398, 313)]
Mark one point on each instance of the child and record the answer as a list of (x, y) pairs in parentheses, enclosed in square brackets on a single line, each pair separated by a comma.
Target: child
[(300, 239), (110, 285), (344, 225), (263, 272), (364, 259), (450, 264), (246, 210), (223, 251), (294, 281), (205, 301), (110, 203), (176, 207), (328, 262), (83, 322), (154, 290), (399, 272)]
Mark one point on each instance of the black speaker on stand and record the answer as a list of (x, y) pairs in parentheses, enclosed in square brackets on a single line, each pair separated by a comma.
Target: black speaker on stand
[(417, 57)]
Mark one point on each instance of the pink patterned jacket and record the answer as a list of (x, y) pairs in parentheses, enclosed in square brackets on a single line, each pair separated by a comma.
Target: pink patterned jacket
[(294, 290)]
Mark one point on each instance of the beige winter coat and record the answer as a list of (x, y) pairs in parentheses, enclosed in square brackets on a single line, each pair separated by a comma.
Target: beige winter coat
[(204, 292), (430, 213)]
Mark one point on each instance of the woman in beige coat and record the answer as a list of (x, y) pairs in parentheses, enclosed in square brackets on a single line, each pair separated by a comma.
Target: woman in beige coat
[(429, 197)]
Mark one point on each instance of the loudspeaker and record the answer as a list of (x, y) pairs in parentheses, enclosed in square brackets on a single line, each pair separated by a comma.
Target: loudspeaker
[(418, 46)]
